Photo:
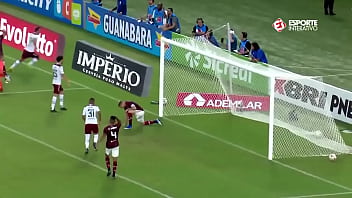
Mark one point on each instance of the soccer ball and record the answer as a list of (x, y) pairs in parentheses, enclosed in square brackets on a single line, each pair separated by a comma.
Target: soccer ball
[(332, 157), (164, 101)]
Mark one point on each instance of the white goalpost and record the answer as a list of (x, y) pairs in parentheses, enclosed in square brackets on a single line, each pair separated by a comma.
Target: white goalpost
[(199, 78)]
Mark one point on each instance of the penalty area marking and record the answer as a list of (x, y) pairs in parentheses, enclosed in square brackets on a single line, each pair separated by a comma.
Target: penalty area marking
[(223, 141), (80, 159), (320, 195), (40, 91)]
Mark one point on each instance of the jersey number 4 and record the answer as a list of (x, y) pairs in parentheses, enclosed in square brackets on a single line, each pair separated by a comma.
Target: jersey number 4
[(113, 134)]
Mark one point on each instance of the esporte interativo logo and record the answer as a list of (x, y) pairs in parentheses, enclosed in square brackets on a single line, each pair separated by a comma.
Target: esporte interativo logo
[(296, 25)]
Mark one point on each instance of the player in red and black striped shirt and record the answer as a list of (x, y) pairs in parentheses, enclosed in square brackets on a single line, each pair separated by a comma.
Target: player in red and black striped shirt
[(132, 108), (111, 132)]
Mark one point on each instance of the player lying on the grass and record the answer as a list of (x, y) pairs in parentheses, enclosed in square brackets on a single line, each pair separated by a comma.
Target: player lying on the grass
[(132, 108), (92, 117), (29, 50), (58, 75), (111, 133), (2, 36)]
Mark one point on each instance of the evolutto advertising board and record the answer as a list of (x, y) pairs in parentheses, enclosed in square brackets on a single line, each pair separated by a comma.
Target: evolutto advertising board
[(67, 11), (49, 45), (112, 68)]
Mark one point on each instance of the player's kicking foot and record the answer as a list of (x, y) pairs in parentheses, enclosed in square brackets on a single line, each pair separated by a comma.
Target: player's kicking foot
[(128, 127), (63, 109), (86, 152), (53, 111), (159, 122), (95, 146), (109, 173)]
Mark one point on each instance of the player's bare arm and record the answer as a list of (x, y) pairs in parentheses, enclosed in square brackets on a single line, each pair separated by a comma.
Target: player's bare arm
[(83, 118), (65, 79), (102, 138)]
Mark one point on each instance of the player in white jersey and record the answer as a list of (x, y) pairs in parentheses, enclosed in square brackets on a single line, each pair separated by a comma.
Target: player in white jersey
[(29, 50), (92, 117), (58, 75)]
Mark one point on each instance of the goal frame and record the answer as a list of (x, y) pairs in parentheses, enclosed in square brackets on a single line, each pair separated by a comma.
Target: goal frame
[(260, 70)]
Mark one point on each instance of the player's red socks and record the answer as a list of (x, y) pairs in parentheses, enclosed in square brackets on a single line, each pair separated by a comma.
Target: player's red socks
[(149, 122), (130, 116), (107, 161), (114, 167), (5, 73)]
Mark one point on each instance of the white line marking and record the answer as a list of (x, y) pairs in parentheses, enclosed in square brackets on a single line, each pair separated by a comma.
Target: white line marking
[(40, 91), (216, 138), (320, 195), (81, 159), (332, 75), (318, 68)]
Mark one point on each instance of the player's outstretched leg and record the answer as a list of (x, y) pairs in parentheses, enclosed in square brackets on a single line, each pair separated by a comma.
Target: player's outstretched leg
[(149, 122), (114, 167), (107, 162), (34, 60), (17, 62)]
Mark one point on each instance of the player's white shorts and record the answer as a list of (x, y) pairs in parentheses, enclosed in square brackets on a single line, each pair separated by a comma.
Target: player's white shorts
[(139, 116), (115, 152)]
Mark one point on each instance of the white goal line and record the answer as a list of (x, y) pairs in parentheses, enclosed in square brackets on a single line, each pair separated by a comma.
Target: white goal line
[(320, 195), (39, 91)]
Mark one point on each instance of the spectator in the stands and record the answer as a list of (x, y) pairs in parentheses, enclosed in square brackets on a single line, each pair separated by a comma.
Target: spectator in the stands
[(150, 11), (233, 41), (200, 29), (173, 24), (257, 54), (245, 45), (97, 2), (159, 16), (210, 36), (121, 7)]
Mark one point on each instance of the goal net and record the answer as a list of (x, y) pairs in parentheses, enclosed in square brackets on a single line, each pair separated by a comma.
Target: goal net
[(198, 78)]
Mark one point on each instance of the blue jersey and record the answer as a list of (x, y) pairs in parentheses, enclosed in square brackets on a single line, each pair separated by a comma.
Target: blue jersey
[(158, 17), (203, 28), (173, 18), (259, 55), (150, 12), (245, 45), (234, 43), (122, 6)]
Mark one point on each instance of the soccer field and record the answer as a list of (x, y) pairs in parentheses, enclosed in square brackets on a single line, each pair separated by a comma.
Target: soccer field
[(189, 156)]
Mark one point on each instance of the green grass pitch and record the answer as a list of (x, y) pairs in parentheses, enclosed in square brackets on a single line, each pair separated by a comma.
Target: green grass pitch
[(42, 154)]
